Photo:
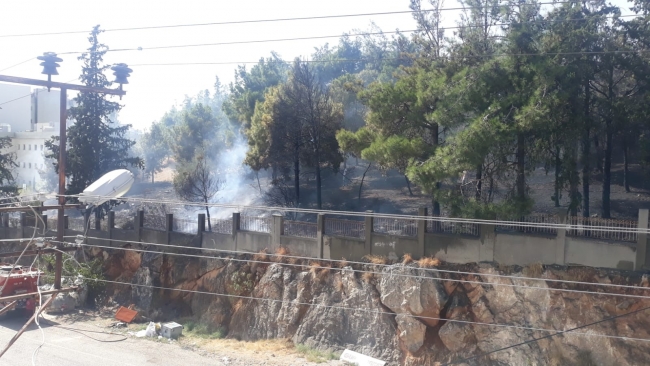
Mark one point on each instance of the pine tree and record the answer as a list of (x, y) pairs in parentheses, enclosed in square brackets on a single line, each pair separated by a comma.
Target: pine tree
[(96, 144)]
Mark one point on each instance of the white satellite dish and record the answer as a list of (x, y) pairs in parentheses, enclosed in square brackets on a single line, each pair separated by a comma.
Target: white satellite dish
[(113, 184)]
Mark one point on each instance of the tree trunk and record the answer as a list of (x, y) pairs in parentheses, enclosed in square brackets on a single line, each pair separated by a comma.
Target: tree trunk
[(362, 178), (319, 197), (607, 173), (408, 184), (152, 176), (521, 167), (479, 181), (257, 175), (586, 147), (436, 204), (574, 179), (435, 137), (626, 178), (207, 215), (558, 166), (599, 154), (296, 177)]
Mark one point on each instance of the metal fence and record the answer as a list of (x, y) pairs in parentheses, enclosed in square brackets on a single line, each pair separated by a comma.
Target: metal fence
[(223, 226), (446, 227), (401, 227), (185, 226), (301, 229), (155, 222), (582, 226), (531, 219), (252, 223), (349, 228), (77, 224)]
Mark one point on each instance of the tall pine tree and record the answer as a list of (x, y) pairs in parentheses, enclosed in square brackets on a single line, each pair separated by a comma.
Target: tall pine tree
[(96, 143)]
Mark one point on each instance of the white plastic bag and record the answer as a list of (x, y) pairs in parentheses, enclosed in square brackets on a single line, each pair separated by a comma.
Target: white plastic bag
[(151, 330)]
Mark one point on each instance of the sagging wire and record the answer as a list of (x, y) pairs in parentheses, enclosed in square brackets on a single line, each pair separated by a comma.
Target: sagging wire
[(38, 311)]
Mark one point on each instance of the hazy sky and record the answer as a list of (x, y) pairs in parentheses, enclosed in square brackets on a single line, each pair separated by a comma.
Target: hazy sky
[(154, 89)]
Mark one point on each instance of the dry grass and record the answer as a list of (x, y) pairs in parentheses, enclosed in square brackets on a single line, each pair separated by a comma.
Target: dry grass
[(429, 262), (280, 254), (314, 267), (343, 263), (376, 259), (533, 270), (261, 256), (406, 259), (368, 277)]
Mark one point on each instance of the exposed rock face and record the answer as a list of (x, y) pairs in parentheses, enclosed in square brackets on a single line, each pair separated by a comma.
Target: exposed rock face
[(406, 315)]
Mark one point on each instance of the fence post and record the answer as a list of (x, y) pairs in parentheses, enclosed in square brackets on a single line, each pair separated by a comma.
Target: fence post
[(66, 222), (641, 240), (138, 224), (277, 230), (368, 232), (560, 240), (44, 222), (236, 216), (422, 229), (488, 239), (98, 223), (169, 226), (111, 220), (23, 219), (323, 251), (5, 219)]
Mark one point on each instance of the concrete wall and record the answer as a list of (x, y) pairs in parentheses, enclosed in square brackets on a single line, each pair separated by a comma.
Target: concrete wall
[(393, 247), (304, 247), (452, 248), (489, 246), (349, 248), (604, 254)]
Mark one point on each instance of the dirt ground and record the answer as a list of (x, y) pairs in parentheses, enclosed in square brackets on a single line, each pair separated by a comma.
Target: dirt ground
[(89, 337)]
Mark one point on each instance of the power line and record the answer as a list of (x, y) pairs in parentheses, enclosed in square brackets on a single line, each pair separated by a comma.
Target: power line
[(464, 360), (18, 64), (435, 270), (269, 20), (348, 308)]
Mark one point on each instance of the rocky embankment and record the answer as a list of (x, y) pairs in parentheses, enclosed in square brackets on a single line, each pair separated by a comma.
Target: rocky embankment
[(402, 313)]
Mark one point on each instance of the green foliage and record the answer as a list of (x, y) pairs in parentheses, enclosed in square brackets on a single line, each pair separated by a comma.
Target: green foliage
[(241, 283), (90, 271), (154, 146), (7, 161), (96, 145), (202, 330)]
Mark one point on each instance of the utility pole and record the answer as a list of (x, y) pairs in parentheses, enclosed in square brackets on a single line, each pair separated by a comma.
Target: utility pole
[(50, 59)]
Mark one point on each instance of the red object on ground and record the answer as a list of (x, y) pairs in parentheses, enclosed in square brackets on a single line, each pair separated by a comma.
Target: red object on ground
[(19, 280), (125, 315)]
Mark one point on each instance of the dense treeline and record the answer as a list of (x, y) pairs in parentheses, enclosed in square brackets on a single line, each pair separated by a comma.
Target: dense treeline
[(465, 113)]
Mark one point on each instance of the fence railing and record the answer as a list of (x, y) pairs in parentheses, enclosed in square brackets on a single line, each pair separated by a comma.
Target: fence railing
[(531, 219), (401, 227), (155, 222), (252, 223), (185, 226), (222, 226), (349, 228), (301, 229), (583, 227), (453, 228)]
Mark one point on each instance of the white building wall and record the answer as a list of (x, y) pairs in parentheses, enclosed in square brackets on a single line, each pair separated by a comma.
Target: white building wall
[(18, 112)]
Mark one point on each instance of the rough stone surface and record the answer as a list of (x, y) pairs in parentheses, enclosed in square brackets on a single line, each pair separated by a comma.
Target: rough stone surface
[(411, 332), (405, 315)]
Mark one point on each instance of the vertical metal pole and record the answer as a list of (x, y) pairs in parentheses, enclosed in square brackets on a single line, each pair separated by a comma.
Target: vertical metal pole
[(60, 230)]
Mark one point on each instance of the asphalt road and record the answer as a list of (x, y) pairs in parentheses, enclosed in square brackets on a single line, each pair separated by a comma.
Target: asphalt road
[(65, 347)]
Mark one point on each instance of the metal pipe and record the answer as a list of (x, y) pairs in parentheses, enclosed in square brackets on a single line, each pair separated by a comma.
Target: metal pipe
[(32, 294)]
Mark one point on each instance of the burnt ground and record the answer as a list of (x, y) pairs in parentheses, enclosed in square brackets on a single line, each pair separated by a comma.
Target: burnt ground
[(388, 193)]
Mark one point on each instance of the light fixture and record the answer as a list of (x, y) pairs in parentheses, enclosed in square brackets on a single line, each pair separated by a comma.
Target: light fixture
[(121, 72)]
